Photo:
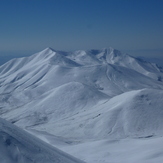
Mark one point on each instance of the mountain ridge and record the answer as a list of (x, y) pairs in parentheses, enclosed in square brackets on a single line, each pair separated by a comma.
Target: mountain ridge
[(18, 146), (83, 96)]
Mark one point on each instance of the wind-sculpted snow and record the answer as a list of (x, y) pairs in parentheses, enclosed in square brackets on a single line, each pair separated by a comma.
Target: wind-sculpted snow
[(18, 146), (59, 103), (131, 114), (83, 96)]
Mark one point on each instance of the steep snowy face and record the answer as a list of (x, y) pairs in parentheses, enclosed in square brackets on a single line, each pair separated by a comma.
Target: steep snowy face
[(18, 146), (115, 57)]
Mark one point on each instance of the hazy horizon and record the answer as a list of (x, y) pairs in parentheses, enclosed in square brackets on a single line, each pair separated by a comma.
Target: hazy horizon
[(133, 27)]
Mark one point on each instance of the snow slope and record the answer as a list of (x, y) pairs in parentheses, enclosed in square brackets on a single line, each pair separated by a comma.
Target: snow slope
[(18, 146), (27, 79), (144, 150), (132, 114), (70, 99)]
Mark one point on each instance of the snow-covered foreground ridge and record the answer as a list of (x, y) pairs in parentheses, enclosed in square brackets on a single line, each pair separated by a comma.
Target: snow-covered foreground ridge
[(18, 146), (72, 97)]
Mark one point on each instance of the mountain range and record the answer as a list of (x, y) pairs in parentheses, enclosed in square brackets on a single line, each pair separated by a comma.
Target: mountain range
[(83, 102)]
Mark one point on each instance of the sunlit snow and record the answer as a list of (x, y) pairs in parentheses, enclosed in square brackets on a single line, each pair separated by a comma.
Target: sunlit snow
[(101, 106)]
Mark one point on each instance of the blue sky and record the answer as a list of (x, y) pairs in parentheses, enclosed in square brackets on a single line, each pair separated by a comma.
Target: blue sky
[(133, 26)]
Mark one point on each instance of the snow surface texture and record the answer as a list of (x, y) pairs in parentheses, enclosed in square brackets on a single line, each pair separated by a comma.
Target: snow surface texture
[(18, 146), (80, 100)]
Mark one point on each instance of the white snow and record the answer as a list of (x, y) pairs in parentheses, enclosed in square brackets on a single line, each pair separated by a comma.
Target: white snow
[(98, 105), (145, 150), (18, 146)]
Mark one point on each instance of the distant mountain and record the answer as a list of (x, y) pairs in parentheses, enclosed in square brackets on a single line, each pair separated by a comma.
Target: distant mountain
[(158, 60), (83, 95)]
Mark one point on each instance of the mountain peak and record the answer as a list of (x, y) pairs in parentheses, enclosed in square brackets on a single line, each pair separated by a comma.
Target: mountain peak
[(48, 49), (108, 49), (111, 52)]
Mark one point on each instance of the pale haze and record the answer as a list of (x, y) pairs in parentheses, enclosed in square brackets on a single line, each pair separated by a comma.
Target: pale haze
[(134, 27)]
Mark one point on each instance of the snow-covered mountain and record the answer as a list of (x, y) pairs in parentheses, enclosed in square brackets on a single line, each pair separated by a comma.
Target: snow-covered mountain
[(68, 98), (18, 146)]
